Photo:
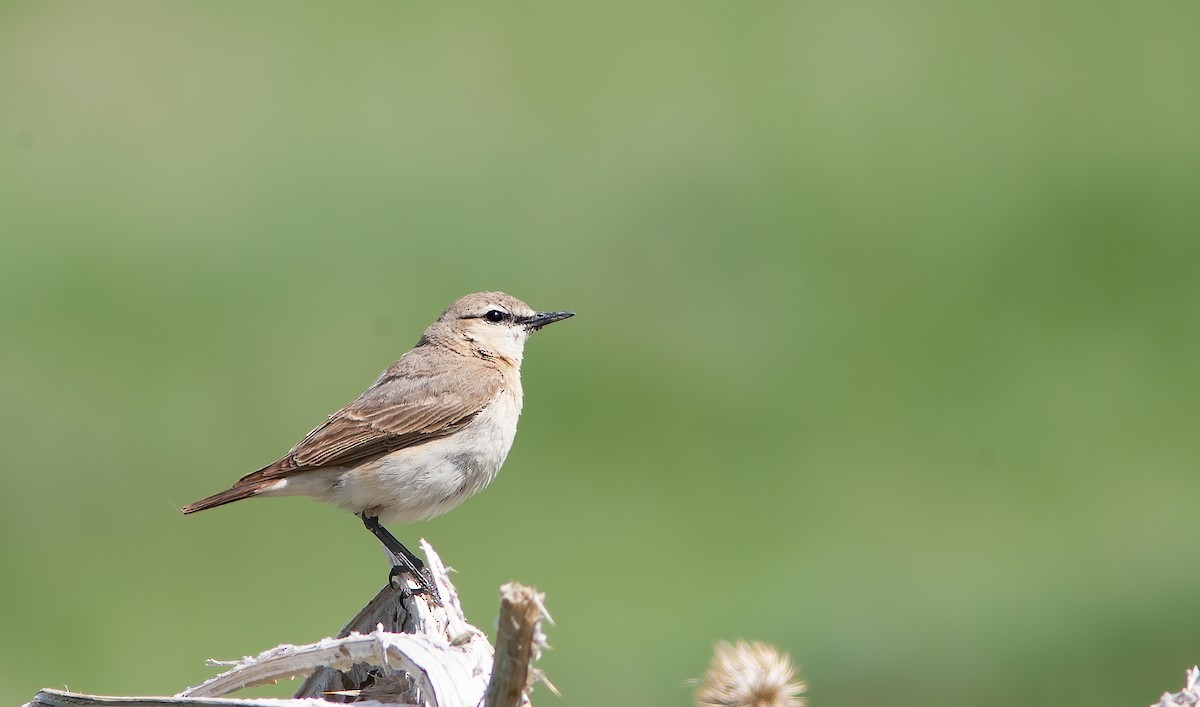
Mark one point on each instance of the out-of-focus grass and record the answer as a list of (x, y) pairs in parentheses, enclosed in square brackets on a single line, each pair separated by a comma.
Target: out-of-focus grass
[(886, 347)]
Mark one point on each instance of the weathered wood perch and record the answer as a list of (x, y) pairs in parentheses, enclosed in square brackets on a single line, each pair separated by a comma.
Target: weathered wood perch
[(1189, 696), (399, 649)]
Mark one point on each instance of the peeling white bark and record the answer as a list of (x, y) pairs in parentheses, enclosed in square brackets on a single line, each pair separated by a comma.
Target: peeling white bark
[(399, 650)]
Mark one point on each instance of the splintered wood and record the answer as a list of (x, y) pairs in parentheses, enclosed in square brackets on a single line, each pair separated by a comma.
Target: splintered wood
[(519, 641), (400, 649)]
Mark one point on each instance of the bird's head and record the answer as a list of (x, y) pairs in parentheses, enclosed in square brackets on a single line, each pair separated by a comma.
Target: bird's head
[(491, 324)]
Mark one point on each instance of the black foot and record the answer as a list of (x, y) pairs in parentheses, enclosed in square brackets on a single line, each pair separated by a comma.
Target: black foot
[(403, 560), (423, 576)]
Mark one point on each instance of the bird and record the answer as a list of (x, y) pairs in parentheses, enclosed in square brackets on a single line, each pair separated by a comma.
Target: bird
[(431, 431)]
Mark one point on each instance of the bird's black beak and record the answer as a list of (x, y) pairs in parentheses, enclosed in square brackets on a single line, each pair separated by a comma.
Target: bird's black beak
[(541, 319)]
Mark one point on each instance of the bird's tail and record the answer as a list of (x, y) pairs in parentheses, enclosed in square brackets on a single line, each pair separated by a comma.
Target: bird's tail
[(235, 493)]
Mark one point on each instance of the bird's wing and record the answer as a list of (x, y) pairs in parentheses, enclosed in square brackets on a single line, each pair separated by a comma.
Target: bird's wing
[(413, 401)]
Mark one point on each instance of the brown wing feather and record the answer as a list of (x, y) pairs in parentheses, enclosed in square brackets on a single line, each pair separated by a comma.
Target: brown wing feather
[(415, 400)]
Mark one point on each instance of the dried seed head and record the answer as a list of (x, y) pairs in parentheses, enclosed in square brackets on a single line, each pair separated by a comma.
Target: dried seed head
[(750, 675)]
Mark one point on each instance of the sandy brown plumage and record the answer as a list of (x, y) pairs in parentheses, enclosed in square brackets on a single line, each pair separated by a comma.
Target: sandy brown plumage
[(464, 363), (415, 400)]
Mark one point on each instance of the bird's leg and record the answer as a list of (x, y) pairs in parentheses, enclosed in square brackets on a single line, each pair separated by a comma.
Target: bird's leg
[(403, 560), (401, 555)]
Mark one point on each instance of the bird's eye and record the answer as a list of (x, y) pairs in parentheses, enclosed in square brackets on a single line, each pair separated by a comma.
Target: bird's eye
[(495, 316)]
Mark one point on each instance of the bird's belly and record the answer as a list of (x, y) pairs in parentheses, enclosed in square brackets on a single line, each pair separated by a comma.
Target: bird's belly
[(429, 479)]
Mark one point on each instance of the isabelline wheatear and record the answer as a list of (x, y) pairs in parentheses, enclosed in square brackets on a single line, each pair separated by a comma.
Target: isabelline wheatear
[(433, 430)]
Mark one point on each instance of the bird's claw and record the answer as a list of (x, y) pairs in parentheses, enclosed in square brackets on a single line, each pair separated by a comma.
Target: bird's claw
[(424, 578)]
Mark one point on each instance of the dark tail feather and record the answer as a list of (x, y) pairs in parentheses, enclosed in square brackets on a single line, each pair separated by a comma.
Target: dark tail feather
[(230, 495)]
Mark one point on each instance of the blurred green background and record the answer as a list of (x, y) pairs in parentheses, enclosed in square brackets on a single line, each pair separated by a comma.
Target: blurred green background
[(886, 350)]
